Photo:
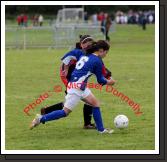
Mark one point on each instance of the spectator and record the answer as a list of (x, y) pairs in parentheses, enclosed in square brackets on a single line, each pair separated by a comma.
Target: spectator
[(105, 26), (122, 19), (143, 21), (85, 16), (19, 20), (40, 20), (150, 18), (22, 20), (94, 19), (25, 20), (103, 23), (125, 19), (35, 20), (117, 19), (100, 17)]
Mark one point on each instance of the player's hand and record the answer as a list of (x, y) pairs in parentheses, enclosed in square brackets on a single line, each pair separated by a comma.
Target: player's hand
[(111, 82)]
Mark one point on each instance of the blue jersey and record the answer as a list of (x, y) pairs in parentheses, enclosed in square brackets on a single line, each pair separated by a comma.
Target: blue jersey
[(75, 54), (85, 67)]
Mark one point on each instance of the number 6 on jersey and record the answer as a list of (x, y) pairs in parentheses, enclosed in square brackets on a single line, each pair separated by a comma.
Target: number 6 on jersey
[(81, 62)]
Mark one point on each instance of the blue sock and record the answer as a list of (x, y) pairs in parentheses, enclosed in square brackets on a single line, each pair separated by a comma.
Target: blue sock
[(98, 119), (53, 116)]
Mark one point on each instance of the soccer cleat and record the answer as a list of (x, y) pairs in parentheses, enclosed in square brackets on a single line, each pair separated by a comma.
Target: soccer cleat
[(89, 126), (107, 131), (36, 121)]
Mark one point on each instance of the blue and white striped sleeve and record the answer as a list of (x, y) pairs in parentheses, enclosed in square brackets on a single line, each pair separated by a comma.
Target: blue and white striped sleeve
[(72, 55)]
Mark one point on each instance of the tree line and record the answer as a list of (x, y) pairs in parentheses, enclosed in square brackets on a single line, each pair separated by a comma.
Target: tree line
[(13, 10)]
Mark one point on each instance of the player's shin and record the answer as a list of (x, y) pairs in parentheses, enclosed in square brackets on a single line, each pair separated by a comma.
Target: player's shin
[(53, 116), (98, 119), (87, 112)]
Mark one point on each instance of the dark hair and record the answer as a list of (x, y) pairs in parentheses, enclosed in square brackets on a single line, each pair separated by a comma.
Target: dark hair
[(78, 45), (95, 46), (83, 39)]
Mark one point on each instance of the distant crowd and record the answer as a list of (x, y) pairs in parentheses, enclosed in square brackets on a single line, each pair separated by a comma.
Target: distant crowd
[(132, 17), (36, 20), (101, 18)]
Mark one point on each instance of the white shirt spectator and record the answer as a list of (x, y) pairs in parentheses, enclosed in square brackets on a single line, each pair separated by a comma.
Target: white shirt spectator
[(94, 19), (40, 19), (125, 19), (122, 19), (150, 18), (117, 19)]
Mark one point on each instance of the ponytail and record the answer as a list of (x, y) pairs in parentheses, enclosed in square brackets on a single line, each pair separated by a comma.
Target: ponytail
[(91, 48)]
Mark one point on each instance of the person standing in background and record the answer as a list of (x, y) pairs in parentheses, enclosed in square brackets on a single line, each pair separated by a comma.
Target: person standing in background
[(25, 20), (94, 19), (19, 20), (143, 21), (40, 20), (100, 17), (107, 26)]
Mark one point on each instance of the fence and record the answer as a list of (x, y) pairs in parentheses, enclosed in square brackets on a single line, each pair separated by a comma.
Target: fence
[(55, 36)]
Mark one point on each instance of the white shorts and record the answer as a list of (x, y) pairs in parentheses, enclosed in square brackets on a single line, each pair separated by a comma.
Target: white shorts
[(74, 96)]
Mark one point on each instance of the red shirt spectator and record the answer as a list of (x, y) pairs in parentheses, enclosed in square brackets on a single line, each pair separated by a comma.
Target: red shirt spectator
[(19, 20), (100, 17), (25, 19)]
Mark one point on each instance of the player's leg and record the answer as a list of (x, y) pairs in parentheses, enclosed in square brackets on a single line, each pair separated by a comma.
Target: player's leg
[(46, 110), (87, 113), (91, 99), (96, 110), (71, 101)]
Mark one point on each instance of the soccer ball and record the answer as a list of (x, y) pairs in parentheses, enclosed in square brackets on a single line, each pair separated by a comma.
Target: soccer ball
[(121, 121)]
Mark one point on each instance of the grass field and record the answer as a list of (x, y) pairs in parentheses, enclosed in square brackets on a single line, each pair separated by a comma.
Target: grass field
[(32, 72)]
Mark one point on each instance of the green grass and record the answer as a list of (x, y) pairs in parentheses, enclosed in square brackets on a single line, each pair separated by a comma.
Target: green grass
[(32, 72)]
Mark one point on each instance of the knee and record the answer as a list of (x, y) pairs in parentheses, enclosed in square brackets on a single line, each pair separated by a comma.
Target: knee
[(97, 104), (67, 111)]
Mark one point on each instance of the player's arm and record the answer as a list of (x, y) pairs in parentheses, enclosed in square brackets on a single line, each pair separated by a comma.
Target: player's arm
[(63, 75), (99, 75), (67, 59), (64, 69), (108, 73), (66, 62), (72, 55)]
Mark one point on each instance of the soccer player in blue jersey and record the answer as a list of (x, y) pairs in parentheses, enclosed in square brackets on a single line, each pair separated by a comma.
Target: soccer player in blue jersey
[(68, 65), (85, 67)]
